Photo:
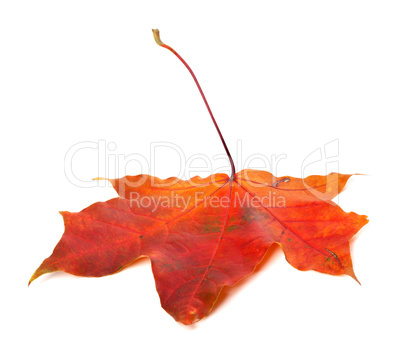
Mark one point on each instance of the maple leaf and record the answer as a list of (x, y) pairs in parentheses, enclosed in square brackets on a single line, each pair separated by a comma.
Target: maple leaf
[(207, 233)]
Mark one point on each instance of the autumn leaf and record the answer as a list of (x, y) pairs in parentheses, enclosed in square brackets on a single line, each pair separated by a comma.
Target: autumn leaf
[(207, 233)]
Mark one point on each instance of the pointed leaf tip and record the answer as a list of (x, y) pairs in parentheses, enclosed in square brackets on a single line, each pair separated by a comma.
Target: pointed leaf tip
[(99, 179), (33, 278)]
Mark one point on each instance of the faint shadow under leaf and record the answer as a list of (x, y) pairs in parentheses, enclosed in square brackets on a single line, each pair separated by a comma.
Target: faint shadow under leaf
[(228, 292)]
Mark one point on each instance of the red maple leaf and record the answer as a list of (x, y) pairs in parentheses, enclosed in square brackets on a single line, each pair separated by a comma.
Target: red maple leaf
[(206, 233)]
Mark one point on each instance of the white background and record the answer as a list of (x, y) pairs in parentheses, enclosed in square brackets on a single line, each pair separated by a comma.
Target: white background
[(284, 77)]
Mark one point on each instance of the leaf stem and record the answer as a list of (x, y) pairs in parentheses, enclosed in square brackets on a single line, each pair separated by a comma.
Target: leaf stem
[(160, 43)]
